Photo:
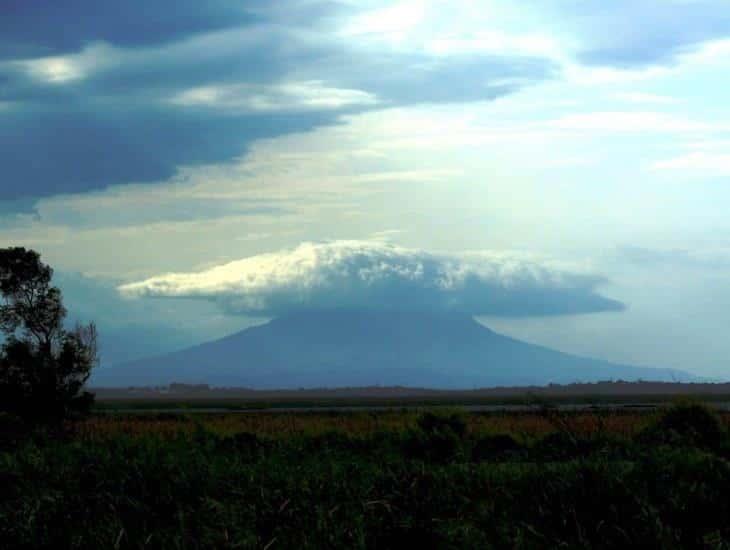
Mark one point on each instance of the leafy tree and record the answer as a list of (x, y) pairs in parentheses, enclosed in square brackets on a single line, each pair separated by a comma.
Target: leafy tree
[(43, 366)]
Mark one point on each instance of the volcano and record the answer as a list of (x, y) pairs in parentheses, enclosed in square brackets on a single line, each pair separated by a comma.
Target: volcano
[(366, 348)]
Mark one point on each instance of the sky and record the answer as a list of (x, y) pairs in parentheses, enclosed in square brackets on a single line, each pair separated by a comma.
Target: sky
[(557, 168)]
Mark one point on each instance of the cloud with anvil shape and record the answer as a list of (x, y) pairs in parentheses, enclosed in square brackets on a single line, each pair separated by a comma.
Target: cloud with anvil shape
[(383, 276), (140, 138)]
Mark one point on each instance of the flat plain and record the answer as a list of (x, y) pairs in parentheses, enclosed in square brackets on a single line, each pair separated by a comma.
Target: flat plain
[(429, 477)]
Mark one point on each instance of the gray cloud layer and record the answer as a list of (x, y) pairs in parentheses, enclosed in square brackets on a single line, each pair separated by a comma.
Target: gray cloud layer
[(135, 102), (627, 33), (373, 275), (46, 27), (92, 93)]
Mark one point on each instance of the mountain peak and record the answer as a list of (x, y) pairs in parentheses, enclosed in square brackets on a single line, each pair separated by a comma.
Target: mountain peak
[(341, 347)]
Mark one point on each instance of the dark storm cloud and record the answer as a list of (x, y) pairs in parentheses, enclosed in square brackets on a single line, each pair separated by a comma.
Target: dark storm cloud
[(111, 117), (101, 109), (34, 28), (49, 152)]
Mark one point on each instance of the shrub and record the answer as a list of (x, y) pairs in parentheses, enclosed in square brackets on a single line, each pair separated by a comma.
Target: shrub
[(563, 446), (686, 424), (439, 438), (432, 423), (242, 441), (496, 446), (12, 430)]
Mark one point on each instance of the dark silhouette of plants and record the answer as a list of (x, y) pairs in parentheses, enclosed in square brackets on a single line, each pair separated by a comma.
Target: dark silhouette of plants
[(432, 423), (686, 424), (496, 447), (439, 437), (43, 366)]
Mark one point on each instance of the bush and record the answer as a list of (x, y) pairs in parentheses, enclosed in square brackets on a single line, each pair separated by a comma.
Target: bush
[(244, 443), (501, 446), (439, 438), (564, 446), (12, 430), (432, 423), (686, 424)]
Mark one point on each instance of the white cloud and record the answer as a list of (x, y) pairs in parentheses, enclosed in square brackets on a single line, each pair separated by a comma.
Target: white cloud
[(697, 258), (454, 28), (646, 98), (385, 235), (379, 275), (629, 122), (576, 73), (712, 52), (307, 95), (63, 69), (495, 42), (55, 70), (699, 163), (709, 145), (394, 21)]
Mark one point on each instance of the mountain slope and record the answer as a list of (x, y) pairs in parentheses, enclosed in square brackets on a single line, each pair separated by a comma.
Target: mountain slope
[(355, 348)]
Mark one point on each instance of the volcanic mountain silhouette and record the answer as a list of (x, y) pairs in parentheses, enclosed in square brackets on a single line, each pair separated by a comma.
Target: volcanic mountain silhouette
[(366, 348)]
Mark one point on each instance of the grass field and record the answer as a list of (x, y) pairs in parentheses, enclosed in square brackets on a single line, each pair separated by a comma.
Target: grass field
[(373, 479), (183, 397), (526, 426)]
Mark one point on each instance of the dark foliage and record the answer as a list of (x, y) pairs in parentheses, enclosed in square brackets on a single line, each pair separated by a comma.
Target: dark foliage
[(497, 447), (686, 424), (438, 438), (454, 423), (335, 490), (12, 430), (43, 366)]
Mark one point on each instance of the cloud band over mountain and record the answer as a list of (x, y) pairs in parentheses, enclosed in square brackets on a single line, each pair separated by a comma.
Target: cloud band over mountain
[(382, 276)]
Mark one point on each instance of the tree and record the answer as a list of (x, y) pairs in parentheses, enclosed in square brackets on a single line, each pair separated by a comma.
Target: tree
[(43, 366)]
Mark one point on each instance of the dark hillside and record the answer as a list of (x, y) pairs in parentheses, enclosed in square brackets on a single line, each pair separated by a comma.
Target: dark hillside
[(357, 348)]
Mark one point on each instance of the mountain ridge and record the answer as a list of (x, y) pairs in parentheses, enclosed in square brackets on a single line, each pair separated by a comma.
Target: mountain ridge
[(339, 348)]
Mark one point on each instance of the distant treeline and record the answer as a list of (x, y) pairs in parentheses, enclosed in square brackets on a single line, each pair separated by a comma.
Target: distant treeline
[(618, 388)]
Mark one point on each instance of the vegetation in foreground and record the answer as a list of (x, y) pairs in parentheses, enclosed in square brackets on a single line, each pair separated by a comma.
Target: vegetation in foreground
[(370, 480), (43, 366)]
